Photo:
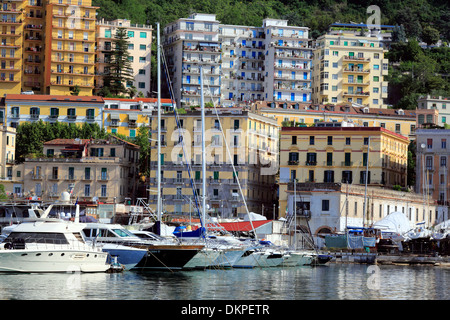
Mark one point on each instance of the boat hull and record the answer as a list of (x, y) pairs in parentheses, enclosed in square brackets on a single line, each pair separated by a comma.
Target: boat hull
[(167, 257), (248, 260), (128, 257), (43, 261), (228, 258), (203, 259)]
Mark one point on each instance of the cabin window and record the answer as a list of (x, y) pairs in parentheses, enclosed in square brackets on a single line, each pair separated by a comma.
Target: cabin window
[(38, 237)]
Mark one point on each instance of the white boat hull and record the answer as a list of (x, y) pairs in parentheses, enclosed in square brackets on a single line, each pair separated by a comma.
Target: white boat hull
[(203, 259), (247, 260), (228, 258), (70, 261)]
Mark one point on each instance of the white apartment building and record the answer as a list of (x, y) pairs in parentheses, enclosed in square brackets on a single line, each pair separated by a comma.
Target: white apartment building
[(240, 63), (191, 43), (139, 47), (437, 103)]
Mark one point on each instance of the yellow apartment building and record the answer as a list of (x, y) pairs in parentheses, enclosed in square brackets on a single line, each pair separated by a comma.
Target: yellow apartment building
[(11, 45), (125, 116), (350, 69), (70, 47), (290, 114), (341, 154), (7, 157), (252, 151), (19, 108), (47, 46)]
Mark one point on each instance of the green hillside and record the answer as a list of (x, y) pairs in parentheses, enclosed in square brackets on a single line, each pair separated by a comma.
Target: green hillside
[(415, 15)]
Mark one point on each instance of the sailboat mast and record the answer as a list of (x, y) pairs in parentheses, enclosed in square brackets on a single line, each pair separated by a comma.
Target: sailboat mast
[(367, 178), (202, 104), (158, 173)]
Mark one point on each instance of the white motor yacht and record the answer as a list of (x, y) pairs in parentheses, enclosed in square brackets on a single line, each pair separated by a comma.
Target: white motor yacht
[(50, 245)]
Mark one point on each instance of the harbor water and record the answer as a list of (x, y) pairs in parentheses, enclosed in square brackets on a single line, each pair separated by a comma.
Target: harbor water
[(331, 282)]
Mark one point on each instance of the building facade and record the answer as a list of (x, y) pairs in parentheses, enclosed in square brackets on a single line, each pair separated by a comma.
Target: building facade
[(350, 69), (331, 207), (432, 156), (103, 170), (243, 155), (341, 154), (139, 48), (294, 114), (48, 46), (21, 108), (435, 110), (240, 63)]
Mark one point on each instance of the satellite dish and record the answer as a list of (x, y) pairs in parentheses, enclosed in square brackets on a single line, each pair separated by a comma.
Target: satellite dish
[(422, 145)]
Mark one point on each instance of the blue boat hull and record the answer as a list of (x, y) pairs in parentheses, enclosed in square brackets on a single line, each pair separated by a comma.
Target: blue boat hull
[(129, 258)]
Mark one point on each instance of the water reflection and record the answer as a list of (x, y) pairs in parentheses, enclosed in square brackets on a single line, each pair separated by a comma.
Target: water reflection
[(334, 282)]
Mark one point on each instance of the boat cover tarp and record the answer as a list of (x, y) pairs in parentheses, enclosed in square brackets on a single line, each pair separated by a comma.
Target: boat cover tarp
[(254, 217), (243, 226), (396, 222), (359, 242), (333, 241)]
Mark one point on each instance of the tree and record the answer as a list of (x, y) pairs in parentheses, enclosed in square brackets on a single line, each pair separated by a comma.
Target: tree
[(120, 70), (430, 35), (75, 91)]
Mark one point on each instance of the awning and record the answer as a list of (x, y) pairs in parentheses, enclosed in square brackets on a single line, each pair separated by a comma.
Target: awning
[(115, 116), (243, 225), (209, 44), (133, 116)]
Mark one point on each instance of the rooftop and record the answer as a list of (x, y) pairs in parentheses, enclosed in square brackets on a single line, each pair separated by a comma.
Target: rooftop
[(61, 98)]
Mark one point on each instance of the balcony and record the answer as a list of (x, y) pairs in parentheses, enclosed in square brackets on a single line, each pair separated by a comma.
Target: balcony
[(357, 93), (356, 59), (356, 70), (293, 162)]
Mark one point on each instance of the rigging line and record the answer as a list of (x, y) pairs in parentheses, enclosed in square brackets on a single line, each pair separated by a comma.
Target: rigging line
[(232, 164), (192, 183)]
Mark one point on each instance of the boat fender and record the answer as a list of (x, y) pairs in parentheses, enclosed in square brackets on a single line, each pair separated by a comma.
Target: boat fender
[(8, 246)]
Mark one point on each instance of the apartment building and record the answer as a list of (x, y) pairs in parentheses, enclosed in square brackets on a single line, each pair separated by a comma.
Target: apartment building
[(433, 109), (349, 68), (139, 48), (298, 114), (125, 116), (19, 108), (240, 63), (190, 43), (56, 34), (103, 170), (7, 154), (235, 138), (432, 156), (12, 45), (349, 155)]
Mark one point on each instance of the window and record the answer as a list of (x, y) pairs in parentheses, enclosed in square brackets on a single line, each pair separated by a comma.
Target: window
[(143, 35), (330, 140), (311, 159), (103, 191), (311, 140), (142, 47), (294, 139), (130, 34), (328, 176), (443, 161), (376, 79), (444, 143), (142, 59), (325, 205), (329, 158), (366, 140), (429, 143), (142, 71), (87, 190), (347, 161), (347, 141)]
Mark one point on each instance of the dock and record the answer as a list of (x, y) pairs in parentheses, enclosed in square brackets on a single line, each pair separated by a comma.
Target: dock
[(389, 259)]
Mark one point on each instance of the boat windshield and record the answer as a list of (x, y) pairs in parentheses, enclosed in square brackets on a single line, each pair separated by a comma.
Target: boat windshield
[(123, 233), (37, 237)]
